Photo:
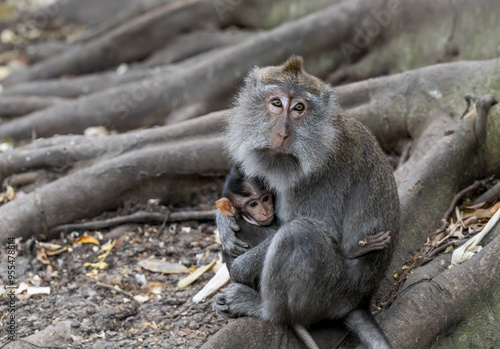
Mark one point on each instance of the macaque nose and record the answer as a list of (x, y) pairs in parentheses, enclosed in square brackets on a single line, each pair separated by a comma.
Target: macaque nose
[(281, 138), (281, 142), (263, 213)]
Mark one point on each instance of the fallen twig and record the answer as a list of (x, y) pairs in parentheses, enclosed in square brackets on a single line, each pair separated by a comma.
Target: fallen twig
[(462, 192), (138, 217), (473, 186), (114, 288), (430, 255), (491, 195)]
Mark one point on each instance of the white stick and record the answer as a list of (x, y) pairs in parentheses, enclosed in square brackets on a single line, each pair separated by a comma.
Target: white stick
[(217, 282), (467, 250)]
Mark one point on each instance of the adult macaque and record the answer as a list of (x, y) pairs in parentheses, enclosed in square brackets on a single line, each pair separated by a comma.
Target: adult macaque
[(249, 200), (333, 188)]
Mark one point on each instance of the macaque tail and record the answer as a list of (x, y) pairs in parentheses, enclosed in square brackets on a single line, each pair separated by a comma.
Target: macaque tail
[(304, 334)]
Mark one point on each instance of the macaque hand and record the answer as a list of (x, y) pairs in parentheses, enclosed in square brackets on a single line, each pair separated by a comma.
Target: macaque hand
[(227, 231)]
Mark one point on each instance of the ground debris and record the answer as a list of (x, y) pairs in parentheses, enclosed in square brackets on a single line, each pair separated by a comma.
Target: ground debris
[(468, 221), (103, 306)]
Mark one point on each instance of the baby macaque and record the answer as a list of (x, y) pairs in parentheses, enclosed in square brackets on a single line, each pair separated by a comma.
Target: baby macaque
[(250, 203)]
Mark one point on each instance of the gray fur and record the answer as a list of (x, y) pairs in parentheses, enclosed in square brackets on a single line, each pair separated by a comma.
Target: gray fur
[(334, 187), (230, 243)]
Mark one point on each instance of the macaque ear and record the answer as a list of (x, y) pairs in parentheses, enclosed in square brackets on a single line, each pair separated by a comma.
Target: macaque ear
[(225, 206)]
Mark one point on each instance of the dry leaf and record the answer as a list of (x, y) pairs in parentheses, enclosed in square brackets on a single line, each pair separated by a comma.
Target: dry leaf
[(188, 280), (479, 213), (23, 286), (87, 239), (458, 233), (436, 238), (10, 193), (108, 246), (35, 280), (470, 221), (51, 247), (56, 252), (155, 288), (135, 240), (120, 240), (99, 265), (41, 256), (495, 207), (159, 266), (473, 207)]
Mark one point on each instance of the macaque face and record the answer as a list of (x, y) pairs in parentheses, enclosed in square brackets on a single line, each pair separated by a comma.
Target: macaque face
[(259, 208), (285, 111)]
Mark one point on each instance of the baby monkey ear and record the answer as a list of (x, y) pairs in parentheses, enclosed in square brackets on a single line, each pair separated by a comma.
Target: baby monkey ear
[(225, 206)]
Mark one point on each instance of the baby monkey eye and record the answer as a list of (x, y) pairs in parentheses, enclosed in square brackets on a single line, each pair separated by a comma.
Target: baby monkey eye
[(265, 198), (276, 102), (299, 107), (253, 204)]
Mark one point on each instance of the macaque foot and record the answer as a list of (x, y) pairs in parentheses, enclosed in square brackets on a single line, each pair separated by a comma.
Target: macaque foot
[(237, 300), (377, 241), (370, 243)]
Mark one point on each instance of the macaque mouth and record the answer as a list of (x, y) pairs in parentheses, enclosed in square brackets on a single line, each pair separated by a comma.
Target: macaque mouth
[(276, 152), (277, 158), (267, 221)]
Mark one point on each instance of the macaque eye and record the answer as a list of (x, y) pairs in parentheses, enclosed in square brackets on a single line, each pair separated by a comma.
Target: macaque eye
[(265, 198), (299, 107), (276, 102), (253, 204)]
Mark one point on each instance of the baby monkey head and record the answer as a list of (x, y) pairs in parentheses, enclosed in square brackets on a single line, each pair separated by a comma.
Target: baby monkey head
[(248, 198), (282, 127)]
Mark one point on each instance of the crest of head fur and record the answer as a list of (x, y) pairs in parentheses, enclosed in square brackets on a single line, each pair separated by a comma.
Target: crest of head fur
[(292, 71), (293, 65)]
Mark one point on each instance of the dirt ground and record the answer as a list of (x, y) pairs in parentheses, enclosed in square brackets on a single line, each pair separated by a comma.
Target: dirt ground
[(104, 318)]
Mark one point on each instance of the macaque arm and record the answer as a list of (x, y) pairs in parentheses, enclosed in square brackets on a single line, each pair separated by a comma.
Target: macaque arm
[(370, 243), (230, 243)]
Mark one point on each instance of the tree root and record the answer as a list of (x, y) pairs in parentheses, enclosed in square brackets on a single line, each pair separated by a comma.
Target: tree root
[(113, 48), (449, 297), (20, 105), (110, 182)]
